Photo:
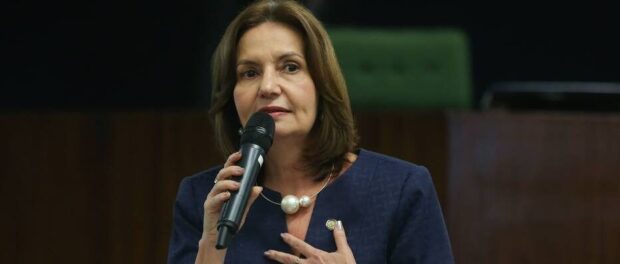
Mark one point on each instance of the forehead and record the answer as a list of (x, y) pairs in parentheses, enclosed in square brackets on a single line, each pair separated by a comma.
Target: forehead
[(270, 38)]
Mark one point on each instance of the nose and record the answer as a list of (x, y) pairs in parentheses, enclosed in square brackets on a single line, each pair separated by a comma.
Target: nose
[(269, 86)]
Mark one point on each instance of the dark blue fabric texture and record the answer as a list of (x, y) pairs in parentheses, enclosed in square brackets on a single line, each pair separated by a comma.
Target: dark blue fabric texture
[(388, 207)]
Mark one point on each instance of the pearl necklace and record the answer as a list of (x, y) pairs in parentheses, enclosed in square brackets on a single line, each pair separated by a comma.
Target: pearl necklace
[(290, 204)]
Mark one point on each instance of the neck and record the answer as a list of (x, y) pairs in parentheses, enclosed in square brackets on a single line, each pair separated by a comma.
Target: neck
[(285, 171)]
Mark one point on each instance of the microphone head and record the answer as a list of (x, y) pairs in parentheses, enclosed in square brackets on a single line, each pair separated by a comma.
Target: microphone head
[(259, 130)]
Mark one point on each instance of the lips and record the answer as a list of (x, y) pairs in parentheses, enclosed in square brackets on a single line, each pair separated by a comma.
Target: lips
[(274, 110)]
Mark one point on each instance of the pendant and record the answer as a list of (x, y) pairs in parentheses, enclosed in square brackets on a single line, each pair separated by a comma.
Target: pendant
[(305, 201), (290, 204)]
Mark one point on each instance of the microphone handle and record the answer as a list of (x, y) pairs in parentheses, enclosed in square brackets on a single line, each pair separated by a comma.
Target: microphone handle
[(233, 209)]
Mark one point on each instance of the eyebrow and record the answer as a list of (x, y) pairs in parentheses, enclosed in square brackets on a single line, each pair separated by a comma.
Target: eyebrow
[(281, 57)]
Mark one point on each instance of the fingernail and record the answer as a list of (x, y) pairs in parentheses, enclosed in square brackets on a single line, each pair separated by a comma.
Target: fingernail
[(339, 225), (267, 253), (239, 170), (282, 235)]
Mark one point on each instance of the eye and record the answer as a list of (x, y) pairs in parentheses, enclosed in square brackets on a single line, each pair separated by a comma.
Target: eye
[(291, 68), (248, 74)]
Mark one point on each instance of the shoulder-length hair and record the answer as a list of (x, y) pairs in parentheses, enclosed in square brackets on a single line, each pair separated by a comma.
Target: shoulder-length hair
[(333, 134)]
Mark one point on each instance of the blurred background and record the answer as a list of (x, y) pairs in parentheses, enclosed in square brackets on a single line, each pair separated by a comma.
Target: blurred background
[(513, 106)]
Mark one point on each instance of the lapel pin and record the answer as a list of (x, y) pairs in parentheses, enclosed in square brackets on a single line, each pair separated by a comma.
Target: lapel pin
[(331, 224)]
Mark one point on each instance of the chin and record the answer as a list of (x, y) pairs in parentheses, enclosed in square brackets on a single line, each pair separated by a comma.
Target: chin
[(283, 133)]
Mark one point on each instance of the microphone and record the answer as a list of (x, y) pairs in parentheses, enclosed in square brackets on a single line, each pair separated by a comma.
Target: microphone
[(256, 139)]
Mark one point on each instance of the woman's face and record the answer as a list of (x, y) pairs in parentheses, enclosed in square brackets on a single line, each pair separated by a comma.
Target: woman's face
[(272, 76)]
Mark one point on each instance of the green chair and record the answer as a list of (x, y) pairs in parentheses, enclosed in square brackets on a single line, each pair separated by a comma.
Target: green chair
[(413, 69)]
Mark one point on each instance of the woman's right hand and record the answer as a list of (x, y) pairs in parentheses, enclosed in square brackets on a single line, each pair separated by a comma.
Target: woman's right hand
[(219, 194)]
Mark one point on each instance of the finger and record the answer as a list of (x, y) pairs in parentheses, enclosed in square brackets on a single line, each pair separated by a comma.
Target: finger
[(281, 257), (214, 204), (298, 244), (340, 237), (222, 186), (232, 158), (228, 172)]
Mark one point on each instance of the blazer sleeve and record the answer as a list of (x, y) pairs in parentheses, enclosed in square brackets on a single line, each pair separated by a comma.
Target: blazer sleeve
[(419, 234), (187, 225)]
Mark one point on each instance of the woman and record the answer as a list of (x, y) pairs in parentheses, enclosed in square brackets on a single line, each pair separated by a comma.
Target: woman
[(277, 58)]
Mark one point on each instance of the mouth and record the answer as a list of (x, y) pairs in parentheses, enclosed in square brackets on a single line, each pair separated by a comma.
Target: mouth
[(274, 110)]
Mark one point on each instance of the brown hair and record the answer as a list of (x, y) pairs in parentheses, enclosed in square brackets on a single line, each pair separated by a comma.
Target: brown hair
[(333, 134)]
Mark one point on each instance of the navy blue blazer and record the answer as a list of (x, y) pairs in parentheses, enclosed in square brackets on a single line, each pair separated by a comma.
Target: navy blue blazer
[(388, 207)]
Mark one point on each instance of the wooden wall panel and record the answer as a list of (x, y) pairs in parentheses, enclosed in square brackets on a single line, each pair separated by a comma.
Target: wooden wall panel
[(47, 172), (534, 188), (99, 187), (96, 187), (149, 154), (517, 188)]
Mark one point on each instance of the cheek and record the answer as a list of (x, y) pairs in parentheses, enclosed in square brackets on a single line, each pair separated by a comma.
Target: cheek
[(313, 96), (312, 102), (241, 105)]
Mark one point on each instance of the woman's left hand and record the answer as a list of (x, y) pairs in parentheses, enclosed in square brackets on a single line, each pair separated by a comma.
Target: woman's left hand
[(342, 255)]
